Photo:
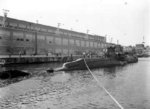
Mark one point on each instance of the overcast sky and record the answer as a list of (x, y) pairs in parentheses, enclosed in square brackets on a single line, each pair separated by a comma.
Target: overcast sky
[(124, 20)]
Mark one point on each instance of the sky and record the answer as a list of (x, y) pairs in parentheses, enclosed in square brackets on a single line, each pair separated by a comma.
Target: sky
[(127, 21)]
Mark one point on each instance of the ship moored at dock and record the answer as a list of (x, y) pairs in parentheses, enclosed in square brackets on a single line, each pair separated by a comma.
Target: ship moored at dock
[(113, 57)]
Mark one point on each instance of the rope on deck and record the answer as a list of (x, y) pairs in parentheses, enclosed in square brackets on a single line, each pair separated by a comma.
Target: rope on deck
[(118, 104)]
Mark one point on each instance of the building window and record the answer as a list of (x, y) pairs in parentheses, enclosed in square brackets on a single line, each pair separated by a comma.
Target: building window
[(51, 31), (18, 36), (29, 37), (1, 22), (66, 34), (77, 42), (50, 39), (91, 44), (65, 51), (58, 52), (22, 25), (32, 27), (71, 41), (41, 37), (95, 44), (58, 41), (12, 24), (37, 28), (105, 45), (65, 41), (82, 43), (71, 51), (91, 37), (102, 45), (87, 43), (43, 29), (4, 34), (99, 45), (69, 34), (50, 51), (86, 36)]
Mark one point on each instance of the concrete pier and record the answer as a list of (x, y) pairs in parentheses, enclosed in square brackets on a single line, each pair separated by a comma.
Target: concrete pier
[(25, 59)]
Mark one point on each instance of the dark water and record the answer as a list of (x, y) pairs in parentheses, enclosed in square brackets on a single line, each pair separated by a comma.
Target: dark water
[(130, 85)]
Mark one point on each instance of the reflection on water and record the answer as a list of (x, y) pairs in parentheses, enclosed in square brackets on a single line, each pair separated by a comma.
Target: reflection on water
[(78, 90)]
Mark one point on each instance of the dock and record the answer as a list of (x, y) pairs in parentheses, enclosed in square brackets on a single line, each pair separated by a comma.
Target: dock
[(30, 59)]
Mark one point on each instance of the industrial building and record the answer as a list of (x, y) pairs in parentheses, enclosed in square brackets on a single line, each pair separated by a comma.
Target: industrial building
[(18, 37)]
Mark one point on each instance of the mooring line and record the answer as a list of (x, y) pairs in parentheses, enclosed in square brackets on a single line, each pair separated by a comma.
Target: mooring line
[(119, 105)]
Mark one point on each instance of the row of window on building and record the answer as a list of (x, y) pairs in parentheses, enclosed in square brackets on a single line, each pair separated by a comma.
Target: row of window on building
[(73, 51), (38, 27), (20, 36), (82, 43)]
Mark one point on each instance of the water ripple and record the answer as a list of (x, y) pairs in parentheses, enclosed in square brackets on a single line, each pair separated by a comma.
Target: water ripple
[(78, 90)]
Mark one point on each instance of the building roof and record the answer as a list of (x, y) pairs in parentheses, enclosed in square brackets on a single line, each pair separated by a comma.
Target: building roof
[(27, 23)]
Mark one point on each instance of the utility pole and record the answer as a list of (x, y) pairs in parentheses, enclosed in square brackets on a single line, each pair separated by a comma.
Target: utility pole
[(111, 39), (87, 32), (5, 17), (58, 26), (105, 37), (143, 41), (5, 11), (37, 21), (117, 42)]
